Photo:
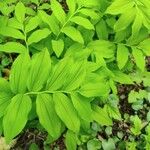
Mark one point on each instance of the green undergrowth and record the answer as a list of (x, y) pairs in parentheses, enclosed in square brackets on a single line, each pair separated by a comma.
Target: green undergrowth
[(76, 69)]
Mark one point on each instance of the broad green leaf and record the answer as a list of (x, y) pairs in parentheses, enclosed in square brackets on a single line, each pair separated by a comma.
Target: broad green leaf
[(101, 116), (93, 144), (137, 24), (102, 30), (75, 76), (39, 70), (113, 112), (122, 77), (71, 140), (58, 75), (11, 32), (136, 129), (73, 33), (71, 5), (16, 116), (5, 95), (145, 46), (14, 23), (13, 47), (122, 55), (47, 115), (58, 46), (83, 22), (83, 106), (50, 20), (120, 6), (20, 11), (19, 71), (94, 89), (67, 113), (90, 13), (102, 48), (139, 58), (38, 35), (125, 20), (58, 11), (32, 24)]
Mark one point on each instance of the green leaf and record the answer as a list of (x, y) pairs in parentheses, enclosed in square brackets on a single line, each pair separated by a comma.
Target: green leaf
[(125, 20), (20, 11), (39, 70), (94, 144), (136, 129), (19, 72), (11, 32), (13, 47), (139, 58), (38, 35), (102, 30), (75, 76), (58, 11), (67, 113), (122, 78), (32, 24), (101, 116), (5, 96), (71, 5), (71, 140), (58, 47), (14, 23), (73, 33), (83, 22), (122, 55), (145, 46), (120, 6), (58, 75), (16, 116), (50, 20), (94, 89), (83, 106), (47, 115)]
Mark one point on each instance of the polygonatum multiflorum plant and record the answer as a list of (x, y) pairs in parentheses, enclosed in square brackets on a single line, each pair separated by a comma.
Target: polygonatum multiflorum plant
[(71, 56)]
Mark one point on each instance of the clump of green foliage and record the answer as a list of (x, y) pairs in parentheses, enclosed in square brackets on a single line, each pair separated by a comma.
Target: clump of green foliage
[(72, 57)]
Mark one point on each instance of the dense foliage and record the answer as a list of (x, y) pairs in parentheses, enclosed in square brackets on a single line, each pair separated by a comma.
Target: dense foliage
[(80, 69)]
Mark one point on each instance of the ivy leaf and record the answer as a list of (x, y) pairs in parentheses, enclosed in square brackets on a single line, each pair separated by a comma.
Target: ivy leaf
[(58, 11), (20, 11), (67, 113), (139, 58), (19, 72), (73, 33), (12, 47), (58, 47), (83, 106), (83, 22), (11, 32), (122, 55), (47, 115), (39, 70), (101, 116), (16, 116), (38, 35)]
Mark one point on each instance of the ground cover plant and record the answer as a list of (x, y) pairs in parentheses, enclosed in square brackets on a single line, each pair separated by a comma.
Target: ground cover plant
[(75, 74)]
